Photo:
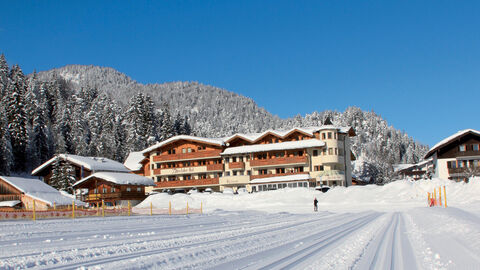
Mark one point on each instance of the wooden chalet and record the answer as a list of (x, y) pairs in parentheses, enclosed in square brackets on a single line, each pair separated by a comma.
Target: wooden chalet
[(20, 192), (113, 188), (84, 166)]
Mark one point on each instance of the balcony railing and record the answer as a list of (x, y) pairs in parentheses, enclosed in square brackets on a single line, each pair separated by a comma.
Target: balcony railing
[(274, 175), (157, 171), (188, 183), (215, 167), (236, 165), (115, 195), (187, 156), (278, 161), (10, 197)]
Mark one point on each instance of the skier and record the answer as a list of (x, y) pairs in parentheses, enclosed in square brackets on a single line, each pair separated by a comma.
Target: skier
[(315, 204)]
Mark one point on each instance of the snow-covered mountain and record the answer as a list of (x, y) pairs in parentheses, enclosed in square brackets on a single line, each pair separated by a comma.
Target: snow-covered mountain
[(212, 111)]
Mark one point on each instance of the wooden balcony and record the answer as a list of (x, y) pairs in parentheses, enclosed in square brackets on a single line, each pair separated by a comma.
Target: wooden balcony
[(115, 195), (157, 171), (469, 153), (10, 197), (274, 175), (457, 170), (278, 161), (187, 183), (215, 167), (236, 165), (188, 156)]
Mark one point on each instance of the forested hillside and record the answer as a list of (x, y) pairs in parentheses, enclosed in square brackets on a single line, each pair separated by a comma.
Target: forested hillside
[(96, 111)]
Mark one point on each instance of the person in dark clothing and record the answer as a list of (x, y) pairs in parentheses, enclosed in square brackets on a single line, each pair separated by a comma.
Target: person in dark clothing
[(315, 205)]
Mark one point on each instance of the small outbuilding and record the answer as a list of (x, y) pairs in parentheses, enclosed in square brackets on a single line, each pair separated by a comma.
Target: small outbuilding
[(21, 192)]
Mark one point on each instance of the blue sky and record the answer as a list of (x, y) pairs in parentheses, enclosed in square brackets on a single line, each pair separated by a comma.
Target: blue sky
[(416, 63)]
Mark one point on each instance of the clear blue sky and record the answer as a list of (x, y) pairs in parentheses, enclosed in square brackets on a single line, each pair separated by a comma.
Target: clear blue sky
[(416, 63)]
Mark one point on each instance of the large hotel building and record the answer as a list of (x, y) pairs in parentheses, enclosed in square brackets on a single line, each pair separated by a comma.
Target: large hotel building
[(299, 157)]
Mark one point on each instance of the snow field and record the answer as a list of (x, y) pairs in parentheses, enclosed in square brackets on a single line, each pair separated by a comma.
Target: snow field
[(408, 235)]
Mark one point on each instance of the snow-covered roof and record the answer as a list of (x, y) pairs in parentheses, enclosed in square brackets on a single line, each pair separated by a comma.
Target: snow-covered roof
[(273, 146), (119, 178), (38, 190), (252, 137), (401, 167), (293, 177), (133, 161), (214, 141), (449, 139), (94, 164), (9, 203)]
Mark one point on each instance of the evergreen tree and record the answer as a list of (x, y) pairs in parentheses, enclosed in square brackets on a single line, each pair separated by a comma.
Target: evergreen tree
[(6, 154)]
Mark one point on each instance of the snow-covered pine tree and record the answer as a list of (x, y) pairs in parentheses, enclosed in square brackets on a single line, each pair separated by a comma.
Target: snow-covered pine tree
[(15, 109), (39, 145), (4, 75), (67, 172), (167, 128), (6, 154)]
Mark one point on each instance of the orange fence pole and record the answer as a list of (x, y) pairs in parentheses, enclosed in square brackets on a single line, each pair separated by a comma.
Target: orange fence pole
[(435, 196), (34, 216), (187, 208), (169, 208), (151, 208), (445, 196)]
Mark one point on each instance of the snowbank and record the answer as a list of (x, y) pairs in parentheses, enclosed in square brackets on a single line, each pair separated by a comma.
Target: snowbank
[(394, 196)]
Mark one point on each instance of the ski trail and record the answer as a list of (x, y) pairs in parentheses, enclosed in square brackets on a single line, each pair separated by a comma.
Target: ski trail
[(390, 249)]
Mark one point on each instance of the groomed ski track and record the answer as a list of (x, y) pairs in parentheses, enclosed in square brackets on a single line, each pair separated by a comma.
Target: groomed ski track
[(225, 240)]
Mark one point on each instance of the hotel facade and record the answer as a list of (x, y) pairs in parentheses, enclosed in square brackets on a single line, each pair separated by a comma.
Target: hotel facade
[(299, 157)]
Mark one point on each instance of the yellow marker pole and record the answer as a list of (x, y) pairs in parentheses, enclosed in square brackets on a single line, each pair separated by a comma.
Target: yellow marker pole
[(128, 208), (54, 206), (151, 209), (187, 208), (445, 193), (169, 208), (201, 207), (34, 216), (428, 198), (73, 209), (103, 208), (440, 196), (435, 196)]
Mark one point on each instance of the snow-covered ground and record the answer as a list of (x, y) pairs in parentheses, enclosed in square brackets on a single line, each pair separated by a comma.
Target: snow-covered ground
[(373, 227)]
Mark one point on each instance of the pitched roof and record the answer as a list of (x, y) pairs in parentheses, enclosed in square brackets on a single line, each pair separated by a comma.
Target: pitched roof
[(38, 190), (449, 139), (94, 164), (134, 161), (273, 146), (252, 137), (214, 141), (119, 178)]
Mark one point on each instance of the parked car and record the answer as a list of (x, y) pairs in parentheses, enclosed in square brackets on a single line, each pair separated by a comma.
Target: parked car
[(323, 188), (242, 190), (193, 190), (208, 190), (228, 191)]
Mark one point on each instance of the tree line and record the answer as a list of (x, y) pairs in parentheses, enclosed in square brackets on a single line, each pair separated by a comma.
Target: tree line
[(39, 118)]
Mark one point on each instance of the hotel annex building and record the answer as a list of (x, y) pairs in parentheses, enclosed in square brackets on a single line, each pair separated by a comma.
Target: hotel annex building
[(299, 157)]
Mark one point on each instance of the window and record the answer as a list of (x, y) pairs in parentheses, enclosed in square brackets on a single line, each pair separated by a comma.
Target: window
[(129, 189), (298, 169), (462, 148), (234, 159), (104, 190), (315, 153), (249, 172), (324, 152), (280, 170), (227, 173), (475, 147), (330, 151), (187, 177), (184, 150), (139, 189), (335, 135), (264, 171), (113, 189), (189, 150), (234, 172), (460, 164), (329, 135), (476, 163), (336, 151), (323, 136), (95, 191)]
